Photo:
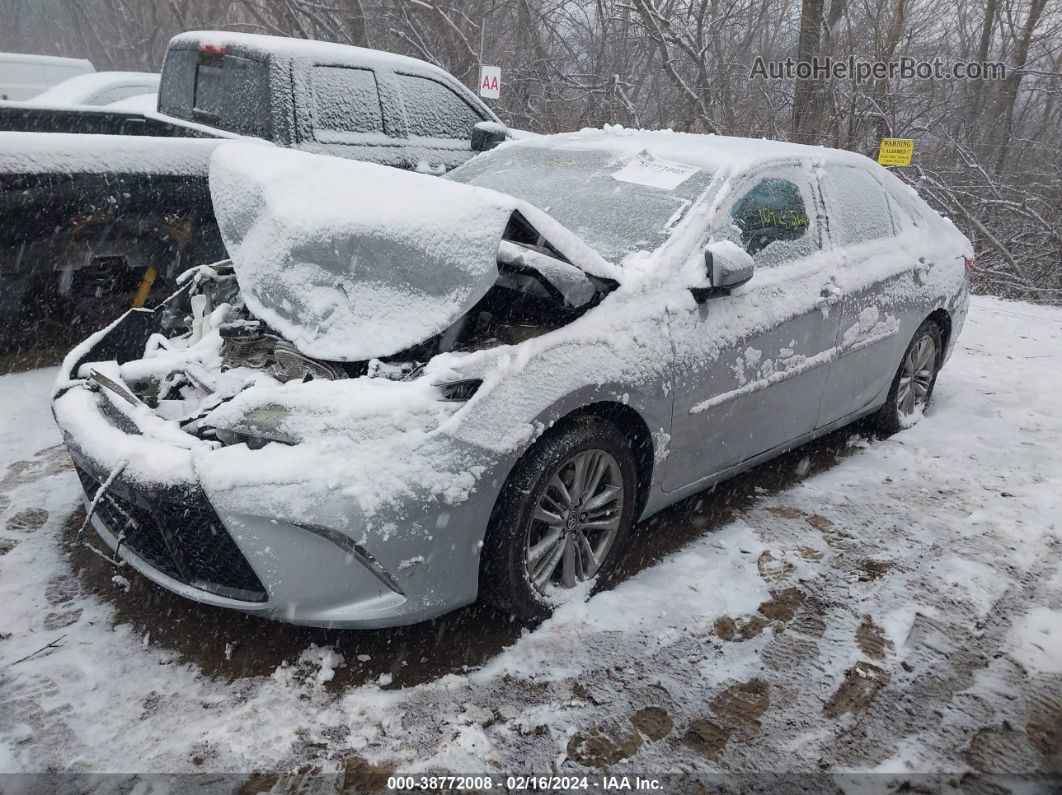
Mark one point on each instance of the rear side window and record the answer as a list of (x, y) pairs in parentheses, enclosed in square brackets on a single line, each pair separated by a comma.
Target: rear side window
[(232, 93), (434, 110), (777, 220), (345, 101), (859, 211)]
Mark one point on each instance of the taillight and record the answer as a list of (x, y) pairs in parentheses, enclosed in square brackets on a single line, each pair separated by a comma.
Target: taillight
[(969, 263)]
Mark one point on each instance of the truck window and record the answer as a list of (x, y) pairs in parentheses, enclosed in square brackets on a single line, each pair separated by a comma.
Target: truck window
[(434, 110), (232, 93), (345, 100)]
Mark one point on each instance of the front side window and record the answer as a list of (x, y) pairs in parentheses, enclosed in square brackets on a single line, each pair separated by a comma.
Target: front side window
[(776, 220), (859, 211), (345, 101), (434, 110)]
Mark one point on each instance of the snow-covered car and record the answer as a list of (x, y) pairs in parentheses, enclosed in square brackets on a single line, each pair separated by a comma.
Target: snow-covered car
[(404, 391), (97, 89)]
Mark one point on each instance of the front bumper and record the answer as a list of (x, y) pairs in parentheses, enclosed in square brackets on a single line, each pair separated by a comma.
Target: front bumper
[(307, 550), (419, 562)]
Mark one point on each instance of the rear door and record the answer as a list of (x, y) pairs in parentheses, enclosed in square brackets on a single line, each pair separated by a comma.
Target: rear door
[(752, 366), (882, 276), (352, 114)]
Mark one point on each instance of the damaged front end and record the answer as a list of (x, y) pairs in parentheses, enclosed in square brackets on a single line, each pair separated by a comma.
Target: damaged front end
[(221, 460)]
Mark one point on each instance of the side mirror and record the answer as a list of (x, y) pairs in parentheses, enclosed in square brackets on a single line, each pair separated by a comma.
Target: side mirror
[(487, 135), (727, 265)]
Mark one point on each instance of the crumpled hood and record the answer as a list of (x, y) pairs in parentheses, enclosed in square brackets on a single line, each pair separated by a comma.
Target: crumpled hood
[(352, 260)]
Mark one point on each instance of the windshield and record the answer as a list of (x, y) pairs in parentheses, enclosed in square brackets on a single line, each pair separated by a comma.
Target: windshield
[(616, 206)]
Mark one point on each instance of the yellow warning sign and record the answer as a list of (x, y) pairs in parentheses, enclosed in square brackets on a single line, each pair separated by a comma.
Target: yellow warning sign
[(895, 151)]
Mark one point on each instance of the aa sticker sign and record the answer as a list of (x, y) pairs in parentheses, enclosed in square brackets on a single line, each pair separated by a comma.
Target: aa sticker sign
[(895, 151), (490, 82)]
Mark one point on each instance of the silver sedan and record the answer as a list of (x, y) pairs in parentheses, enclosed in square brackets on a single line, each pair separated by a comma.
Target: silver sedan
[(403, 392)]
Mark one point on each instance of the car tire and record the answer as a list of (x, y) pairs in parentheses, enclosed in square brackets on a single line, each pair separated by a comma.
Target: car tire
[(513, 563), (912, 386)]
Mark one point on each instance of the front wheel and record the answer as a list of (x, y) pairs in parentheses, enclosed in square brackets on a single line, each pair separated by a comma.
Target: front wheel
[(561, 518), (912, 387)]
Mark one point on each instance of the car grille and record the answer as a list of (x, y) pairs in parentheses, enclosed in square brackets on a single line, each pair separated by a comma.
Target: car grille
[(175, 531)]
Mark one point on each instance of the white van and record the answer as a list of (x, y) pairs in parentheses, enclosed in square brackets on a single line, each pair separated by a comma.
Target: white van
[(25, 76)]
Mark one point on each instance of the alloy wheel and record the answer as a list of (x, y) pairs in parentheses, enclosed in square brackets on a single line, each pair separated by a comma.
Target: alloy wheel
[(916, 377), (575, 520)]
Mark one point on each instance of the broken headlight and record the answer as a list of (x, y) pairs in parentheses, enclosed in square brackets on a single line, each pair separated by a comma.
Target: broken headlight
[(257, 428), (460, 391)]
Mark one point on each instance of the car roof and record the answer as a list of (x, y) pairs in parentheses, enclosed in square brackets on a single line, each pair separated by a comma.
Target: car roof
[(83, 87), (714, 152), (286, 47)]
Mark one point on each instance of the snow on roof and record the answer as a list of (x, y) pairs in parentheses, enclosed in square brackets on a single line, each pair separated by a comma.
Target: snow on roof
[(47, 60), (323, 51), (76, 153), (713, 152), (82, 89), (138, 103)]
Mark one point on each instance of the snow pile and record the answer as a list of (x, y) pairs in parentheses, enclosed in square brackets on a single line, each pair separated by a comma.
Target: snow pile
[(75, 153), (925, 565), (138, 103), (353, 260)]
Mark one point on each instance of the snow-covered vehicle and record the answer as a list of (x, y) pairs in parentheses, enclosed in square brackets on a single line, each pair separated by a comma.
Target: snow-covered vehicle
[(25, 75), (96, 89), (82, 219), (404, 391)]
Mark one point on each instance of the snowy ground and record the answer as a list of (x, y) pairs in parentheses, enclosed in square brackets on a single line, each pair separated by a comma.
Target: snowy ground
[(861, 605)]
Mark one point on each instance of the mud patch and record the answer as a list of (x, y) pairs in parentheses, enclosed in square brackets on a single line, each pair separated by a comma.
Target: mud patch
[(28, 520), (7, 544), (809, 620), (809, 553), (819, 522), (360, 775), (706, 738), (739, 629), (744, 702), (653, 722), (1044, 726), (46, 462), (786, 512), (603, 745), (1001, 749), (782, 605), (871, 639), (60, 620), (61, 590), (772, 567), (860, 687), (873, 569), (787, 651)]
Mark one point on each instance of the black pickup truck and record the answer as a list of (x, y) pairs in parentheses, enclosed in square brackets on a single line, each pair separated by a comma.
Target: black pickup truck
[(99, 206)]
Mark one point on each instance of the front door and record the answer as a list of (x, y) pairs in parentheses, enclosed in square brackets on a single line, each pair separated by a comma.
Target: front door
[(752, 366)]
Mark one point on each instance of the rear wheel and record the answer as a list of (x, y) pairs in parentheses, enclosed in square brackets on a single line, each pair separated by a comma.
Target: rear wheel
[(561, 519), (912, 387)]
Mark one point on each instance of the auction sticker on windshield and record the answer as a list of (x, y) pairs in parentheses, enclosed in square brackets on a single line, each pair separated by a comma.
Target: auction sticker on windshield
[(655, 173)]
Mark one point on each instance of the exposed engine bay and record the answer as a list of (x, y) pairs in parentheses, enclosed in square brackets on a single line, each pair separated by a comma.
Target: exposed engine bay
[(536, 291)]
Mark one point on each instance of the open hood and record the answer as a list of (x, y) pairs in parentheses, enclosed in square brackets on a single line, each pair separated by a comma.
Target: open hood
[(351, 260)]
